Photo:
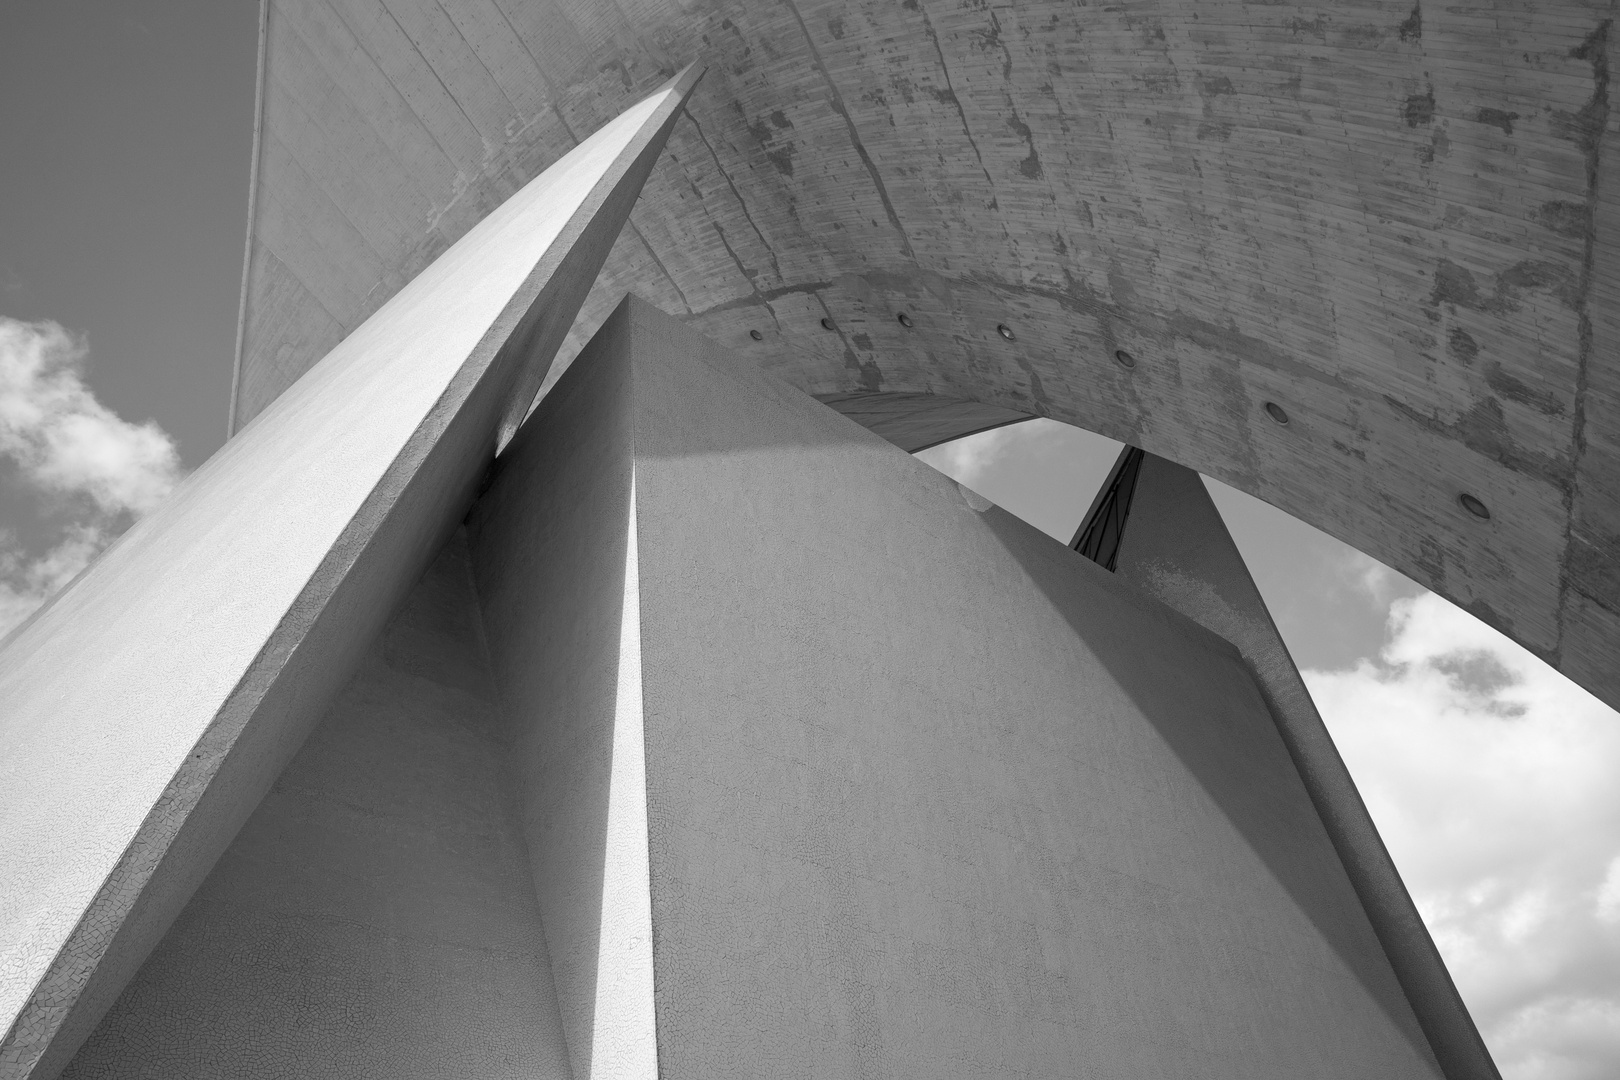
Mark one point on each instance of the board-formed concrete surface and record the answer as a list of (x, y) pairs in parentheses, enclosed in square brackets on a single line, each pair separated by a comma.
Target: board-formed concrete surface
[(1394, 219), (148, 707), (925, 792), (1176, 547), (375, 919)]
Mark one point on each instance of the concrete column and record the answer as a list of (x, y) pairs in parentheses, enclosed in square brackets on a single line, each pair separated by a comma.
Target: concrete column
[(1175, 546), (924, 792)]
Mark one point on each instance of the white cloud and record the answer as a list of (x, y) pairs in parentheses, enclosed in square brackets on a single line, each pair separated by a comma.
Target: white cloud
[(102, 471), (1492, 778), (968, 460)]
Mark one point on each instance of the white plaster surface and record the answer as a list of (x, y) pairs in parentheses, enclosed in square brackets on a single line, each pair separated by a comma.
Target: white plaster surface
[(145, 711), (624, 1044), (928, 794)]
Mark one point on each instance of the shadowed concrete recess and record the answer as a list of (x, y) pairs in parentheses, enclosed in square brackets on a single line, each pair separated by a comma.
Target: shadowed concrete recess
[(1394, 220), (375, 917)]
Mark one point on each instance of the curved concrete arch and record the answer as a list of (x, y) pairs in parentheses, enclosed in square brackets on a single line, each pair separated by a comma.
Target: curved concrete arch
[(916, 422), (1393, 220)]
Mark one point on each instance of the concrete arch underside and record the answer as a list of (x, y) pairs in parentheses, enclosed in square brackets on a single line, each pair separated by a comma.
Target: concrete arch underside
[(1393, 220)]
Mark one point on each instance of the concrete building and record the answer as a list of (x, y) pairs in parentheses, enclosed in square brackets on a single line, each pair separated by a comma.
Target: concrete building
[(689, 728)]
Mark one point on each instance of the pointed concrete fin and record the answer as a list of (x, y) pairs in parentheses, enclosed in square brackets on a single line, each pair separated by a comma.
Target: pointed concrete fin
[(148, 708), (1176, 547)]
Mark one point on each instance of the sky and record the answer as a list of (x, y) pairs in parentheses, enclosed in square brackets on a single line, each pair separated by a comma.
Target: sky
[(127, 134), (126, 131)]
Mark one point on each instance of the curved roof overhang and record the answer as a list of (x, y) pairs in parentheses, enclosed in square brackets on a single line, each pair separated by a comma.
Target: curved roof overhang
[(1393, 221)]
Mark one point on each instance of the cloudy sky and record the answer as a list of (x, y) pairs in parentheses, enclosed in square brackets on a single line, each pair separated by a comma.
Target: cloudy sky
[(126, 131)]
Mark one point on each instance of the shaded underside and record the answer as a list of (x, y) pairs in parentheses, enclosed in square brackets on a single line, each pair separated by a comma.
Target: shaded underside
[(1393, 220)]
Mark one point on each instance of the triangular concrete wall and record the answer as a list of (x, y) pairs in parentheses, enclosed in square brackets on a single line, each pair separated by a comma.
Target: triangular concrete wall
[(375, 917), (926, 792)]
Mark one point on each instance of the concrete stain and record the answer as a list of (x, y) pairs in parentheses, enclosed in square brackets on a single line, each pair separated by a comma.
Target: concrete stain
[(1569, 219), (1561, 281), (1366, 35), (867, 375), (1585, 127), (1232, 342), (1412, 28), (1488, 615), (1419, 108), (1316, 27), (1483, 429), (1036, 391), (1031, 165), (1461, 345), (1455, 284), (782, 158), (1592, 565), (1497, 118), (1431, 559), (1514, 389)]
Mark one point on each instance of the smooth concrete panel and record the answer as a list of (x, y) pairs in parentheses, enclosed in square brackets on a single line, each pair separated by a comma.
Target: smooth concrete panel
[(147, 709), (1175, 546), (928, 794), (551, 550), (932, 795), (375, 917)]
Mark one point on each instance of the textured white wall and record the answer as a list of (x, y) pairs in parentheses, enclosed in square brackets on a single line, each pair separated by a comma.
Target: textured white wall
[(624, 1043)]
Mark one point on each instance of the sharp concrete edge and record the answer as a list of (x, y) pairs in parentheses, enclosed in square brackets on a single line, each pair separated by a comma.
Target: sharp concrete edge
[(1200, 548), (252, 203), (153, 702)]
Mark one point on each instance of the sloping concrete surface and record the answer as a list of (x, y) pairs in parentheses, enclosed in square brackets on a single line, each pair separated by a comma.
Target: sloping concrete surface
[(926, 793)]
